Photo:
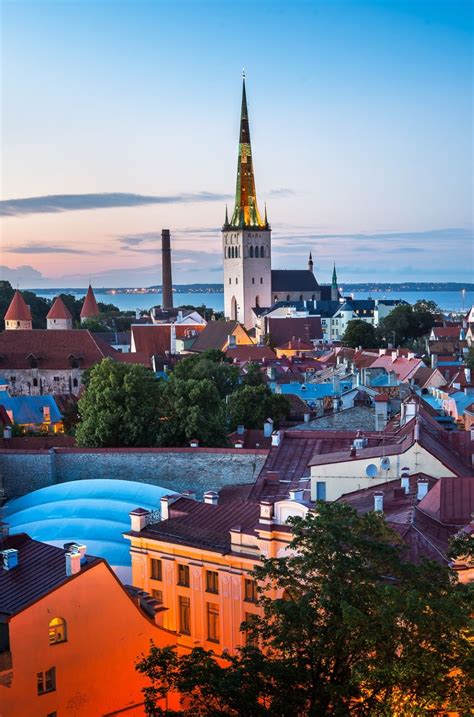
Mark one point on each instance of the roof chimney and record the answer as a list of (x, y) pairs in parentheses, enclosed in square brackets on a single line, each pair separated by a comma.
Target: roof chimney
[(268, 428), (138, 519), (296, 494), (276, 438), (194, 443), (73, 563), (211, 497), (405, 480), (165, 503), (266, 512), (10, 558), (167, 282), (422, 489), (378, 502)]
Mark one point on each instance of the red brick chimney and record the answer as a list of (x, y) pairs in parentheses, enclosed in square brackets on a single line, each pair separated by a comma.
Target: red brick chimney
[(167, 282)]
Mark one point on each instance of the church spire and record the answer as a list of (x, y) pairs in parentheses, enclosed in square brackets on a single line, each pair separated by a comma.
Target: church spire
[(246, 212), (334, 276), (310, 262)]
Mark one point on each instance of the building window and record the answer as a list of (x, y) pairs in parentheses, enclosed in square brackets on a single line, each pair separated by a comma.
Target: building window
[(12, 379), (57, 631), (230, 280), (184, 615), (301, 297), (275, 298), (75, 382), (287, 297), (158, 595), (261, 280), (56, 378), (320, 490), (250, 590), (262, 252), (183, 575), (212, 582), (52, 714), (251, 252), (46, 681), (35, 382), (212, 622), (253, 280), (250, 619), (156, 569), (236, 280)]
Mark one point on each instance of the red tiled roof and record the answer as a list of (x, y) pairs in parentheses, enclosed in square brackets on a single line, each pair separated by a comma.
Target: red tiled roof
[(152, 339), (447, 332), (451, 501), (52, 349), (89, 307), (251, 438), (243, 353), (295, 345), (41, 569), (18, 309), (404, 368), (134, 358), (305, 328), (202, 525), (215, 335), (59, 310)]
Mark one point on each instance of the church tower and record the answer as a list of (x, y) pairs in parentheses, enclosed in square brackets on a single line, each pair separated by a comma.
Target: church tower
[(246, 239)]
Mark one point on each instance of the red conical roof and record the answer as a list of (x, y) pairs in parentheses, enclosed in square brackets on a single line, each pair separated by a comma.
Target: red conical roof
[(89, 307), (59, 310), (18, 310)]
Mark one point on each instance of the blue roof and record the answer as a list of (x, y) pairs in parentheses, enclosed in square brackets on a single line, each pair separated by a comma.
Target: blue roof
[(311, 391), (29, 409), (94, 512)]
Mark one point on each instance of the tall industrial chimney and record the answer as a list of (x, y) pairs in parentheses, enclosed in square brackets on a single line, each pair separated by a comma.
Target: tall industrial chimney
[(167, 282)]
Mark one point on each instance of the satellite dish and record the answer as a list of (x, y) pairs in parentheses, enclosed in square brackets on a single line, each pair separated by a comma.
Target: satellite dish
[(372, 470), (385, 464)]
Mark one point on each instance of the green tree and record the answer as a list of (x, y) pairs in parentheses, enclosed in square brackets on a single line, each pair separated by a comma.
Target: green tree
[(424, 317), (192, 408), (355, 630), (121, 406), (211, 365), (250, 406), (253, 375), (360, 333), (95, 325)]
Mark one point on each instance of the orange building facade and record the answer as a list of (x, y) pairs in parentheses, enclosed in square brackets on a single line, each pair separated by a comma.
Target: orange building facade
[(70, 650), (198, 562)]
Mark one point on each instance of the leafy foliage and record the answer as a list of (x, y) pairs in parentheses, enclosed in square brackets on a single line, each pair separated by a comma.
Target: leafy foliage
[(407, 323), (348, 628), (360, 333), (211, 365), (120, 407), (253, 375), (250, 406)]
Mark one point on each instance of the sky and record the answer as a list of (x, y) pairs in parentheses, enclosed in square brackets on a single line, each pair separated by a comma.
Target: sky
[(119, 118)]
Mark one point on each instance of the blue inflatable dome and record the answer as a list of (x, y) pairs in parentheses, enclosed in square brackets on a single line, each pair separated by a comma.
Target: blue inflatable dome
[(92, 512)]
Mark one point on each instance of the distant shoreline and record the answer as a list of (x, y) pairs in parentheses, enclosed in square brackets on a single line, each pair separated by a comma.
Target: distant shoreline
[(219, 288)]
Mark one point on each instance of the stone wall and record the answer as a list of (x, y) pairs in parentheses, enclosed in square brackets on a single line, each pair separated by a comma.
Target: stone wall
[(178, 469), (39, 381)]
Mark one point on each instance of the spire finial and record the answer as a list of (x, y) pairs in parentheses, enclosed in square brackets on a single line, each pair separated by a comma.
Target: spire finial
[(243, 73)]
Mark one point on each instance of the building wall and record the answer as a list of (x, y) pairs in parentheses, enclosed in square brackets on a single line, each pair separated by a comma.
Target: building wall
[(37, 381), (95, 667), (15, 325), (295, 296), (246, 277), (199, 469), (348, 476), (59, 324)]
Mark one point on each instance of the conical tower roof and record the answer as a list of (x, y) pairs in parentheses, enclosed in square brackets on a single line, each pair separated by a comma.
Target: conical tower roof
[(246, 213), (89, 307), (18, 310), (59, 310)]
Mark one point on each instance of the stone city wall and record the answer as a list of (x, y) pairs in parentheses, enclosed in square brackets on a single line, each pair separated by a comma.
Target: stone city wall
[(178, 469)]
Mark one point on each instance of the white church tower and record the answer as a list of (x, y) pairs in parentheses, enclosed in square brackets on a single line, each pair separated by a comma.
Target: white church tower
[(246, 240)]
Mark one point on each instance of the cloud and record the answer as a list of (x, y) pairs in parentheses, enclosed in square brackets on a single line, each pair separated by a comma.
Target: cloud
[(430, 235), (54, 203), (22, 275), (45, 249), (283, 193)]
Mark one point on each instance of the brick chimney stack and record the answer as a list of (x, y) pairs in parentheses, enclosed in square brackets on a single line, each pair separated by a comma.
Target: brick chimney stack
[(167, 282)]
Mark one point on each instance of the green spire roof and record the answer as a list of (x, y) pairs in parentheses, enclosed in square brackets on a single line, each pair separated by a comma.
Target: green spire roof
[(334, 276)]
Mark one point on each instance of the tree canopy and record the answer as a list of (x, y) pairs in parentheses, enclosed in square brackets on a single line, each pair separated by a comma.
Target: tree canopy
[(407, 323), (360, 333), (250, 406), (121, 406), (349, 628), (212, 365)]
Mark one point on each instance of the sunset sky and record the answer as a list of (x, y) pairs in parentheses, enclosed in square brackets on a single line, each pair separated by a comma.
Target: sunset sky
[(121, 117)]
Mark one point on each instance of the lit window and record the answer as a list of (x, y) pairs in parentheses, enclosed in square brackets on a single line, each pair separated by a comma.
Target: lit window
[(212, 622), (184, 615), (183, 576), (212, 582), (251, 619), (57, 631), (46, 681), (156, 569), (250, 590)]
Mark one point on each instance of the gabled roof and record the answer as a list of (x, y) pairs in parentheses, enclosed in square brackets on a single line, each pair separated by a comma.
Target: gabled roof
[(295, 345), (59, 310), (53, 349), (215, 335), (249, 353), (89, 307), (293, 280), (40, 570), (29, 409), (18, 310), (447, 332), (202, 525), (305, 328), (451, 501)]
